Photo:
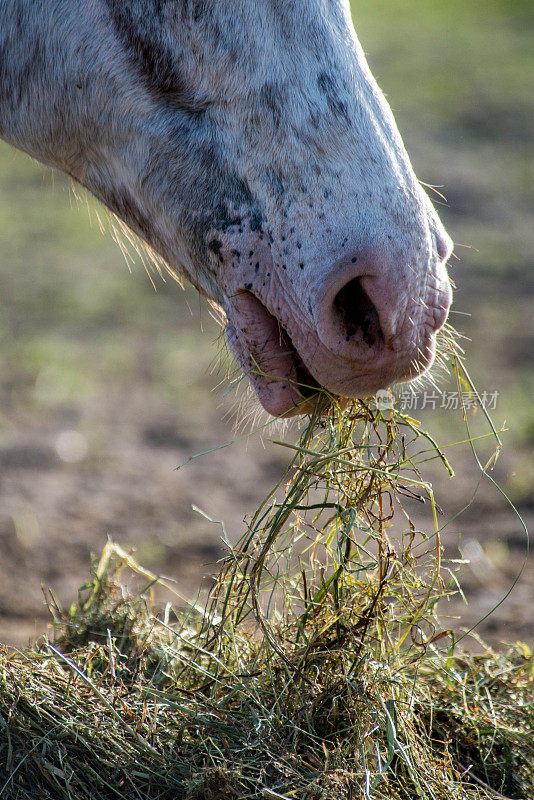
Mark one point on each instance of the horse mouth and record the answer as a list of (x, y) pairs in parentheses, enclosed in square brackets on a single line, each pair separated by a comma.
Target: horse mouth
[(279, 366), (306, 385), (265, 352)]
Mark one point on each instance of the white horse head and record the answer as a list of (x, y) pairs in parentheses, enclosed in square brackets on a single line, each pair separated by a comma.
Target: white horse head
[(249, 145)]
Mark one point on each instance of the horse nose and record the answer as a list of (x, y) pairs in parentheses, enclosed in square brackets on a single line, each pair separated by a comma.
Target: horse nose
[(352, 312), (353, 317), (362, 309)]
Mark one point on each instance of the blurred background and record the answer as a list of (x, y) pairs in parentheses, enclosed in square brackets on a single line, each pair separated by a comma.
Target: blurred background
[(107, 383)]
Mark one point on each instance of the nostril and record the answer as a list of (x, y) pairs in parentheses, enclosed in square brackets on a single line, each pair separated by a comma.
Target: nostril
[(356, 315)]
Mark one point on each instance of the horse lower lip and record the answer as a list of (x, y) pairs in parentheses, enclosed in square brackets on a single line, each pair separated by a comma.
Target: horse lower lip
[(265, 349)]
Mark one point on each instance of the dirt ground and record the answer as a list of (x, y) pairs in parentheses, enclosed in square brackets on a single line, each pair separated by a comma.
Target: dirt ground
[(55, 514)]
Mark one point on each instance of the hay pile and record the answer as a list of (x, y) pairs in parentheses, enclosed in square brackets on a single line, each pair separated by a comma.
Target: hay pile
[(318, 668)]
